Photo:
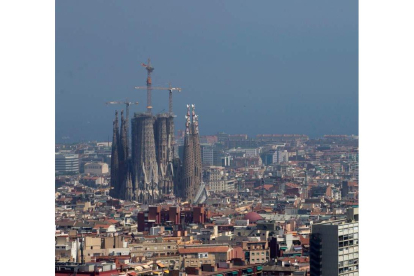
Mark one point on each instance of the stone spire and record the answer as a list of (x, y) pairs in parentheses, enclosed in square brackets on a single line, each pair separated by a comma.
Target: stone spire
[(129, 194), (144, 162), (198, 166), (123, 157), (187, 176), (123, 150), (161, 148), (115, 159), (191, 175)]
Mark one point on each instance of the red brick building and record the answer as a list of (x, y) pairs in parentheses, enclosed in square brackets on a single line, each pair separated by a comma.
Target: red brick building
[(159, 215)]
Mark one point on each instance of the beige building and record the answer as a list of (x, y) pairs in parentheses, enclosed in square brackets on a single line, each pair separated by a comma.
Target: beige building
[(65, 250), (96, 168), (216, 179), (162, 251), (195, 256), (95, 247), (152, 249), (198, 259), (256, 252)]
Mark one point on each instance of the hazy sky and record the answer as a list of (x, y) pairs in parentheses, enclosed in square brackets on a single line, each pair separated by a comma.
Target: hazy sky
[(249, 66)]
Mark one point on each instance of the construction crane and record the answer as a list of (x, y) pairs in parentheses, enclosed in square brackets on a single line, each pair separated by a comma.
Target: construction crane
[(127, 104), (149, 83), (170, 100), (149, 88)]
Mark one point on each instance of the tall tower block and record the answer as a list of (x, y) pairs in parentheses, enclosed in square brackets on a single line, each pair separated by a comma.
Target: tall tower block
[(170, 172), (198, 165), (191, 171), (187, 175), (144, 160), (115, 159), (161, 148), (122, 157)]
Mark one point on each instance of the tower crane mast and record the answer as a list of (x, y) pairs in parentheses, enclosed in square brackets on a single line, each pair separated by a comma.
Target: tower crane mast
[(149, 89), (126, 103), (149, 84), (170, 99)]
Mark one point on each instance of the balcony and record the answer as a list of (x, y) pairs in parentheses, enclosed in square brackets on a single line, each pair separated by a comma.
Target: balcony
[(62, 247)]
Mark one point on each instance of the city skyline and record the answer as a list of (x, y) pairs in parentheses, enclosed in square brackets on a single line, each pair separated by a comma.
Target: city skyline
[(270, 204), (291, 81), (269, 179)]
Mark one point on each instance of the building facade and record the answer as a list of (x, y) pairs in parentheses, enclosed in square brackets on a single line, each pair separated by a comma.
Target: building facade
[(280, 156), (215, 178), (334, 247), (207, 153), (66, 163), (96, 168)]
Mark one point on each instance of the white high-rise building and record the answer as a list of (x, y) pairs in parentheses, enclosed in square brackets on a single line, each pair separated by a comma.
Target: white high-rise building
[(217, 181), (66, 163), (251, 152), (280, 156), (215, 178), (334, 247)]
